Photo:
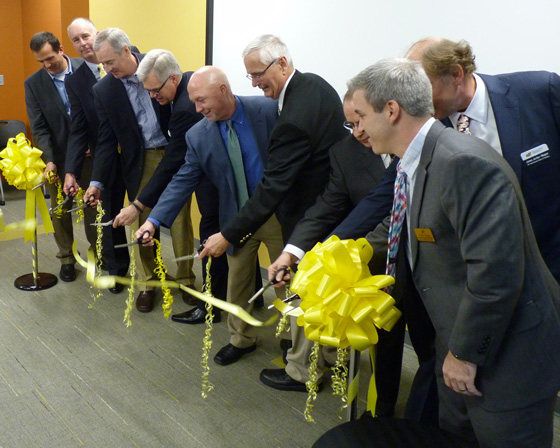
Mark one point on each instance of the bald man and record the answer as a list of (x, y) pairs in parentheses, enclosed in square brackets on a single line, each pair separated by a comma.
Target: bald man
[(233, 126)]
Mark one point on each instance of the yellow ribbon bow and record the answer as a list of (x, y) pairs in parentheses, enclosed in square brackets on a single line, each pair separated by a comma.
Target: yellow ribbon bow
[(23, 168)]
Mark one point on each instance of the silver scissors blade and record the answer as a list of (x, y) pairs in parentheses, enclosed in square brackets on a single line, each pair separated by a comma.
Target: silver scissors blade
[(193, 255), (269, 283), (139, 240), (102, 224), (286, 300), (66, 199), (39, 186)]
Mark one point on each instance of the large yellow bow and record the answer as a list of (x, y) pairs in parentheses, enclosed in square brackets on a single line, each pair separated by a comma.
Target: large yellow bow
[(22, 167)]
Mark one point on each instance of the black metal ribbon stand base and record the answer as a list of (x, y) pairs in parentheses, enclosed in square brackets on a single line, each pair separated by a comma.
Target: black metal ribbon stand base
[(27, 282)]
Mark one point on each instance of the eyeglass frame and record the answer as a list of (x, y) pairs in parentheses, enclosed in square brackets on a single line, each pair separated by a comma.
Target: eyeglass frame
[(261, 74), (157, 91), (350, 126)]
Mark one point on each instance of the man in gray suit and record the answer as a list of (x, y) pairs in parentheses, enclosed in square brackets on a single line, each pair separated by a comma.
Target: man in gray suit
[(48, 109), (233, 125), (475, 263)]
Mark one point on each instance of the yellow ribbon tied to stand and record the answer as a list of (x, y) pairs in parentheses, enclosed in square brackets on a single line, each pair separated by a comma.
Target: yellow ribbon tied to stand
[(342, 305), (23, 168)]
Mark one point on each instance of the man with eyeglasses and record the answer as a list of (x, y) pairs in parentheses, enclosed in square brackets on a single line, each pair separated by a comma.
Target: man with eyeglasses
[(133, 134)]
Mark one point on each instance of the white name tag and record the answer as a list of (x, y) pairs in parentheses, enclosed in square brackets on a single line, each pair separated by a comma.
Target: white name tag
[(535, 154)]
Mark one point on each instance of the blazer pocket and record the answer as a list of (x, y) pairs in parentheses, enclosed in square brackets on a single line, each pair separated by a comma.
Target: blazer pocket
[(524, 318)]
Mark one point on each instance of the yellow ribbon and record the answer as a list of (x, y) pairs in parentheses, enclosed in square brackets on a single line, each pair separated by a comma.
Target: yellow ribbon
[(342, 303), (9, 228), (23, 168)]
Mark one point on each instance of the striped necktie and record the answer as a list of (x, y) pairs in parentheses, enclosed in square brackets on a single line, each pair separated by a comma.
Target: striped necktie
[(236, 158), (463, 124), (397, 218)]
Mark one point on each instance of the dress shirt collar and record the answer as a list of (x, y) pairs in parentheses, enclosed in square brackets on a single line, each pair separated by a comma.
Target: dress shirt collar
[(283, 92), (94, 69), (478, 108), (62, 75), (411, 157)]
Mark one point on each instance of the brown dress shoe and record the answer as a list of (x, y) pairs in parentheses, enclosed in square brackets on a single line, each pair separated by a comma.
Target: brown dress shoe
[(145, 301), (188, 298)]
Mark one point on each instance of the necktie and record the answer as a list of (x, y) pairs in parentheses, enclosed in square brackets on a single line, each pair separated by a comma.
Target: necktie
[(397, 218), (236, 158), (463, 124), (102, 71)]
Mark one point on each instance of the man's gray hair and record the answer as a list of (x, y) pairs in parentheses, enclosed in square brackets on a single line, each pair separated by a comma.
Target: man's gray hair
[(270, 48), (401, 80), (161, 62), (117, 39)]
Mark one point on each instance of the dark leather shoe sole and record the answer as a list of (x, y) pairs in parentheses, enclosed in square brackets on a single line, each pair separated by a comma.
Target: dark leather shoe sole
[(230, 354), (145, 301), (195, 316), (67, 273), (280, 380)]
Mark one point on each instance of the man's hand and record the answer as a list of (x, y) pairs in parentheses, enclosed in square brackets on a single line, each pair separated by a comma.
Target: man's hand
[(459, 375), (70, 184), (51, 168), (285, 259), (147, 228), (216, 245), (126, 217), (91, 196)]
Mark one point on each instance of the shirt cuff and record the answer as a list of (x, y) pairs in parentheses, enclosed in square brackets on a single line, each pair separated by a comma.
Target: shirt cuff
[(296, 251), (96, 184), (154, 221)]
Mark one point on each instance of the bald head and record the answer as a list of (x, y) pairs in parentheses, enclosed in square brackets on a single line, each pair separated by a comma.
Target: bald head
[(82, 33), (210, 91)]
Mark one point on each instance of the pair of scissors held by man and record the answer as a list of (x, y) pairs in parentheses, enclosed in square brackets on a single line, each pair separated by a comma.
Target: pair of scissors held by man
[(192, 256), (268, 284)]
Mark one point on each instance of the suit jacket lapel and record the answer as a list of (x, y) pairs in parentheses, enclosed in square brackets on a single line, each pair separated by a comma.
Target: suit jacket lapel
[(508, 120), (258, 128), (421, 175), (219, 150), (52, 92)]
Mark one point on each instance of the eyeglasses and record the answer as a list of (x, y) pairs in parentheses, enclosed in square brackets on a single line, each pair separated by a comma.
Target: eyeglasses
[(350, 126), (258, 75), (156, 91)]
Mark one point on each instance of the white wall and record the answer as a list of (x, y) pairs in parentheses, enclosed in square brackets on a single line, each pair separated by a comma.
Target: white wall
[(338, 38)]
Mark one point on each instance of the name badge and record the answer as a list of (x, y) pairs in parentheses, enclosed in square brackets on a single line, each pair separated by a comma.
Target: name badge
[(536, 154), (425, 235)]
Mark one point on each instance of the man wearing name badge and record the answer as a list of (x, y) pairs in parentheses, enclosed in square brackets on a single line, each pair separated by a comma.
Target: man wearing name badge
[(83, 139), (48, 109), (518, 114), (298, 151), (132, 130), (475, 263), (228, 147), (160, 74)]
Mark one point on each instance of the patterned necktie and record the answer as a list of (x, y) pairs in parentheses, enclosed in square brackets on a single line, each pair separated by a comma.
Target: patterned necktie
[(463, 124), (102, 71), (397, 218), (236, 158)]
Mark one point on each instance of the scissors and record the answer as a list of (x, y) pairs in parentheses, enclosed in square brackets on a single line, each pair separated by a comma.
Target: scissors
[(66, 199), (286, 300), (39, 186), (139, 240), (269, 283), (102, 224), (81, 207), (193, 255)]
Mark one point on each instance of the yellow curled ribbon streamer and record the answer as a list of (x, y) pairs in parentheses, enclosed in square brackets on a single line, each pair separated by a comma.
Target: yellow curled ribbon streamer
[(109, 281), (23, 168)]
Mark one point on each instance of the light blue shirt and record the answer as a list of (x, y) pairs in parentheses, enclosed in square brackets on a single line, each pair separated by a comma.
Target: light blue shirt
[(58, 81)]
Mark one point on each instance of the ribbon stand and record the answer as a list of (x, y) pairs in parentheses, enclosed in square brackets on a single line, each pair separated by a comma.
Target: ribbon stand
[(36, 281)]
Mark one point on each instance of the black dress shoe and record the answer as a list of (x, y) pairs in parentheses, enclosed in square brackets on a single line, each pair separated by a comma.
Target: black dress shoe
[(188, 298), (145, 301), (196, 316), (279, 379), (117, 288), (230, 354), (67, 273)]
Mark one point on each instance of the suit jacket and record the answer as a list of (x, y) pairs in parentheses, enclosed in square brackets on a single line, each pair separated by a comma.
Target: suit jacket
[(207, 156), (50, 124), (526, 107), (183, 117), (118, 127), (298, 158), (487, 290), (355, 170)]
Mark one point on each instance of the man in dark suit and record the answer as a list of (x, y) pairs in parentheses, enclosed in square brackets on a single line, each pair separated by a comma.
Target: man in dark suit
[(298, 151), (83, 139), (132, 131), (475, 263), (518, 114), (162, 77), (233, 125), (48, 109)]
